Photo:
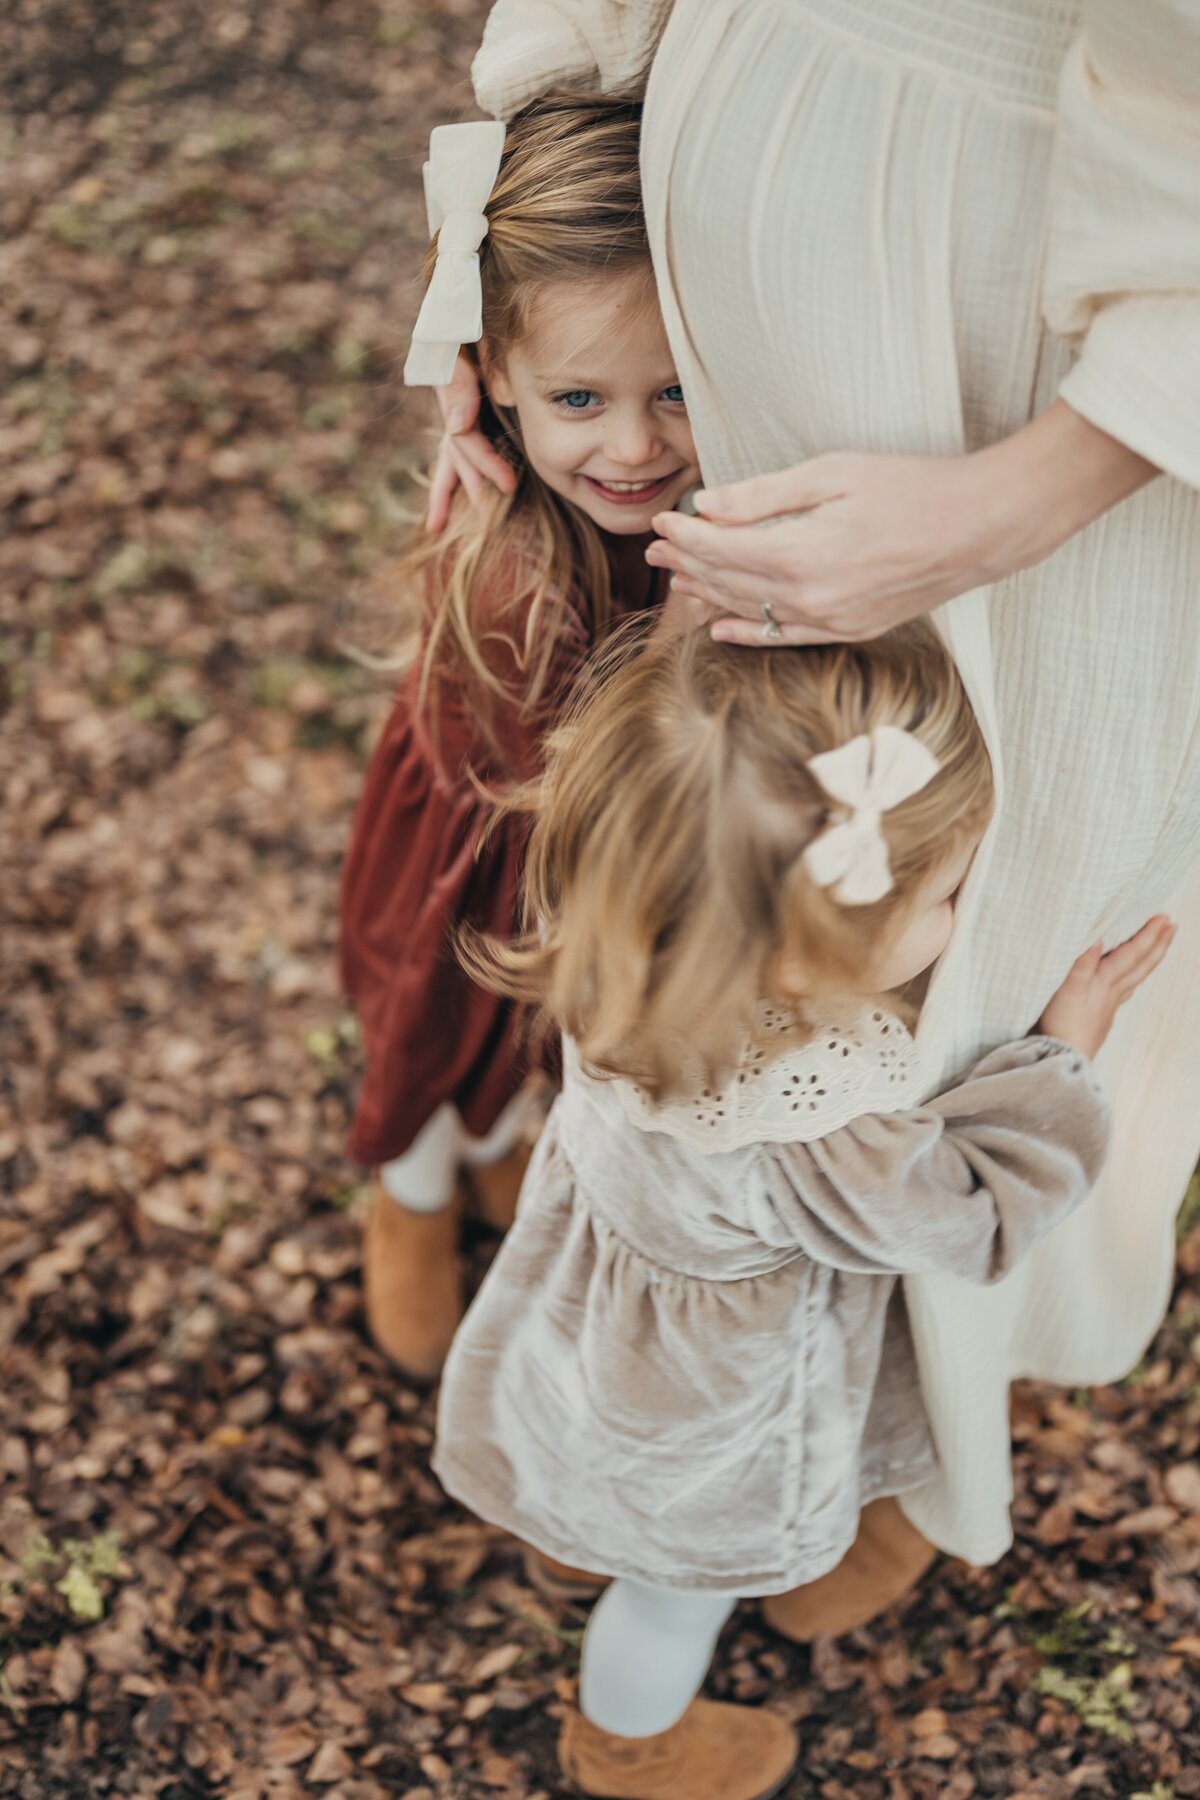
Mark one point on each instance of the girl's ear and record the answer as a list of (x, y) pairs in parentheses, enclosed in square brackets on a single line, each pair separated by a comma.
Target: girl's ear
[(495, 380)]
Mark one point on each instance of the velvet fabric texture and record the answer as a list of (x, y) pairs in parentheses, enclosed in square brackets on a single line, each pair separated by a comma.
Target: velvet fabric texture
[(422, 861), (693, 1367)]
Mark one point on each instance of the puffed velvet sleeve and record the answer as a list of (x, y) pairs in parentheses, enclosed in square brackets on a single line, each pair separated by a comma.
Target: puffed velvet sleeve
[(1123, 252), (964, 1185), (532, 46)]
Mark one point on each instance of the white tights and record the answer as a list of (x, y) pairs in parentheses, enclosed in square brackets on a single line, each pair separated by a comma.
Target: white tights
[(423, 1178), (646, 1652)]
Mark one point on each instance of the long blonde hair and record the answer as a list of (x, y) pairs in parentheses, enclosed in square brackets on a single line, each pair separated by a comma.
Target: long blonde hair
[(567, 206), (666, 894)]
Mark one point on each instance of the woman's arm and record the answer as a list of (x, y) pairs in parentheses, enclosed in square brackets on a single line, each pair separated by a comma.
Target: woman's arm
[(848, 546), (880, 539), (532, 46)]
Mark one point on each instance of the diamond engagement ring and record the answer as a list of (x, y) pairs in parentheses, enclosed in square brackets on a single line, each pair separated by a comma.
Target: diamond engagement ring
[(772, 631)]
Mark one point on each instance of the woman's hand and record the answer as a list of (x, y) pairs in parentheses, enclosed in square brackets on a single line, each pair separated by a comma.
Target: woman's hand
[(465, 455), (844, 547), (1097, 986)]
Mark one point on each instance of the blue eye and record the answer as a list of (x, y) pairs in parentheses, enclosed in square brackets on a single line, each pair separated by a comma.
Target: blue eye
[(578, 400), (673, 394)]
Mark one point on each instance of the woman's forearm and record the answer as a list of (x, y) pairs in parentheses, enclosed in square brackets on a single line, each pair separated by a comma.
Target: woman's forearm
[(1048, 481)]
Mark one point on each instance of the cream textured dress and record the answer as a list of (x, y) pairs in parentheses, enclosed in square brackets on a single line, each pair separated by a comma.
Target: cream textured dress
[(907, 225), (685, 1365)]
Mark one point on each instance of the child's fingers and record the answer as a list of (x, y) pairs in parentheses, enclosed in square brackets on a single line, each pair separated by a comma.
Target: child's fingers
[(471, 479), (441, 488), (1147, 963), (1131, 962), (1083, 969), (458, 401)]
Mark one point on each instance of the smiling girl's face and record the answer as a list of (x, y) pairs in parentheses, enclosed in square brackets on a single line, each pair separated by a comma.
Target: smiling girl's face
[(603, 420)]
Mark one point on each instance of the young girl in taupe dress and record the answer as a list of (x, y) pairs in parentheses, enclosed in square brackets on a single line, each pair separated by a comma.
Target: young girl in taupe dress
[(690, 1365)]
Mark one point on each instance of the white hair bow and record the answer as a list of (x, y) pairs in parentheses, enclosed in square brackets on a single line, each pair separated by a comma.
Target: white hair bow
[(464, 161), (868, 776)]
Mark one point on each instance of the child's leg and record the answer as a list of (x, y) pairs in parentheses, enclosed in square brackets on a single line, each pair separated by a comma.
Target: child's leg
[(496, 1163), (423, 1179), (508, 1131), (412, 1271), (641, 1733), (885, 1562), (646, 1652)]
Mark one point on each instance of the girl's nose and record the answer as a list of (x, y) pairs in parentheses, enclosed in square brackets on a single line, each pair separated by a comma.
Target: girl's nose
[(634, 442)]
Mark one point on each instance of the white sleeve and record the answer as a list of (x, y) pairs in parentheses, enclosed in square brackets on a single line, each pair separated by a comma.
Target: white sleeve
[(533, 46), (1123, 254)]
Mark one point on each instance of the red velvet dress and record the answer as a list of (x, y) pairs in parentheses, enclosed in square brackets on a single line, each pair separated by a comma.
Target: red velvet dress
[(415, 870)]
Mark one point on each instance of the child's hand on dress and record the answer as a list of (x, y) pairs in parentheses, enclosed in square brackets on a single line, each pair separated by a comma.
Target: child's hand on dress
[(1082, 1011)]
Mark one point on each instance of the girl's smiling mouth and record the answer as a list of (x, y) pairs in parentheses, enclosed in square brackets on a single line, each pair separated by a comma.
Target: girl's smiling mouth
[(631, 493)]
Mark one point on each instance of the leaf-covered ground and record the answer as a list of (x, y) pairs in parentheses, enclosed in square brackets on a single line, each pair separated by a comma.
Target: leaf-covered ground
[(226, 1568)]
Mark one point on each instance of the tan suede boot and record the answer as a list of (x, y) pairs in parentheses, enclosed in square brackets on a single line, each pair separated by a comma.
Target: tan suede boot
[(560, 1581), (412, 1283), (494, 1187), (715, 1752), (885, 1562)]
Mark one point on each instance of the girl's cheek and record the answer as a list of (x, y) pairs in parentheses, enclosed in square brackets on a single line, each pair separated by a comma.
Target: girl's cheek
[(947, 926), (562, 445)]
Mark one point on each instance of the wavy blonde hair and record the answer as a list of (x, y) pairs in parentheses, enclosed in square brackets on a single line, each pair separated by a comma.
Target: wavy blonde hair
[(665, 892), (567, 206)]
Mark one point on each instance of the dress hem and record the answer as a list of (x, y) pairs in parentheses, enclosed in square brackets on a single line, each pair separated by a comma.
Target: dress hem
[(462, 1485)]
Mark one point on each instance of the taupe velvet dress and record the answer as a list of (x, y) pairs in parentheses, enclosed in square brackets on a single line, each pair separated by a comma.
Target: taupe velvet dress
[(690, 1363)]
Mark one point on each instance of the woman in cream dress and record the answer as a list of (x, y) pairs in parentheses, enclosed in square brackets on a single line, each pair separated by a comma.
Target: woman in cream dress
[(903, 230)]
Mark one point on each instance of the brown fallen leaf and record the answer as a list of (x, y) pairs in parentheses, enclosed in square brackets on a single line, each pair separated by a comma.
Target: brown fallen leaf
[(496, 1662), (428, 1696), (1056, 1524), (262, 1608), (498, 1771), (290, 1744), (1182, 1486), (68, 1671), (940, 1749), (329, 1764), (1152, 1521)]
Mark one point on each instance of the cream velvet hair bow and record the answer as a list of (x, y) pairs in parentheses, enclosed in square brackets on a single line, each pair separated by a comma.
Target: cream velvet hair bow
[(464, 161), (867, 776)]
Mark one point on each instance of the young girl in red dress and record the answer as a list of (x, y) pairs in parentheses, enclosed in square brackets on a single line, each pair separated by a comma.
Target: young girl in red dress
[(541, 259)]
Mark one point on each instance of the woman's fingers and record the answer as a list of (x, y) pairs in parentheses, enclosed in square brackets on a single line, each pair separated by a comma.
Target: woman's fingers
[(765, 496), (733, 630), (458, 402), (751, 552)]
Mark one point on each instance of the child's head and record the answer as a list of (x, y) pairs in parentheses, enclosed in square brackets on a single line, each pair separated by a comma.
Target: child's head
[(574, 355), (582, 394), (688, 862)]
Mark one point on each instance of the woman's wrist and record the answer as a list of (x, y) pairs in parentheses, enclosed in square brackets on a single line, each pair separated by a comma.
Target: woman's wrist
[(1046, 482)]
